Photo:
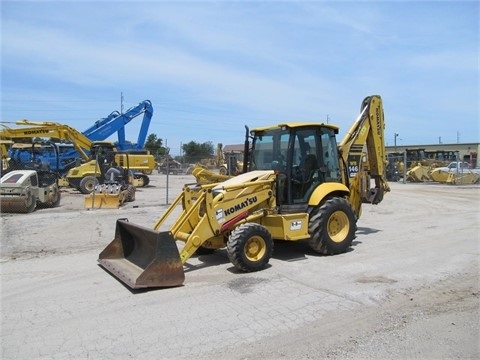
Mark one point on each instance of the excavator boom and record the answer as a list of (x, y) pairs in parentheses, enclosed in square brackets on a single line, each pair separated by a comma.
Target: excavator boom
[(49, 129)]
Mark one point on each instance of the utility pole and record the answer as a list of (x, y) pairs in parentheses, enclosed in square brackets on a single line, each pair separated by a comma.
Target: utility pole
[(395, 141), (167, 157), (181, 153)]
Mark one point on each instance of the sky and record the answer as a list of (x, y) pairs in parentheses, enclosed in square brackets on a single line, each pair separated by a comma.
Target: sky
[(211, 67)]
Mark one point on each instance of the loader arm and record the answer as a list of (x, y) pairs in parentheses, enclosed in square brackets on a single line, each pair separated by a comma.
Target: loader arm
[(362, 153), (32, 129), (142, 257), (210, 211)]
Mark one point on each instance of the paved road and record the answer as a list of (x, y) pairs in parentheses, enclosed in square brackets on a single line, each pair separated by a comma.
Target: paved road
[(417, 250)]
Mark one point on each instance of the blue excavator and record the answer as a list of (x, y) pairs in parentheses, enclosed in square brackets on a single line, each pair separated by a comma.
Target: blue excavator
[(101, 130)]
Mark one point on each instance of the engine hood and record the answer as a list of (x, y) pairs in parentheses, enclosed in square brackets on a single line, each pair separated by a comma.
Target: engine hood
[(248, 177), (16, 178)]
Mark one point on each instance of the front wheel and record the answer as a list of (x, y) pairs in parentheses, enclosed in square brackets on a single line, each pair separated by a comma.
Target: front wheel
[(130, 193), (249, 247), (87, 184), (332, 227), (55, 197), (143, 180), (30, 202)]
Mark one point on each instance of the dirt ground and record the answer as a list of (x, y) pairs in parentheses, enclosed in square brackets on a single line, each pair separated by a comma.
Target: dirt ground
[(408, 287)]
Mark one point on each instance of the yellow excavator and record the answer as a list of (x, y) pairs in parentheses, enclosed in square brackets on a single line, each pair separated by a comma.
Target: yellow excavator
[(298, 184)]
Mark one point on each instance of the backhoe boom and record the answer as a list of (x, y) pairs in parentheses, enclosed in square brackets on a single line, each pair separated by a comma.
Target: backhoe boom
[(362, 152)]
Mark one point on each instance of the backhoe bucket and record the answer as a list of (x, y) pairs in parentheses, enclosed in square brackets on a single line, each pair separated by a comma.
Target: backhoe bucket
[(142, 257)]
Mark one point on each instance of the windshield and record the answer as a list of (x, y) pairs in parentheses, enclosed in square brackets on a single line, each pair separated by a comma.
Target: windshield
[(303, 157), (270, 150)]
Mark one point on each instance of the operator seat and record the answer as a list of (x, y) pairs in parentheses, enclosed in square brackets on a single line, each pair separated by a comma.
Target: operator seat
[(309, 168), (310, 181), (113, 175)]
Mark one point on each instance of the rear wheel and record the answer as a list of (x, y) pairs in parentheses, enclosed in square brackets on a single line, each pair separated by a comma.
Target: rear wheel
[(144, 180), (332, 227), (130, 193), (87, 184), (55, 197), (250, 247), (30, 202)]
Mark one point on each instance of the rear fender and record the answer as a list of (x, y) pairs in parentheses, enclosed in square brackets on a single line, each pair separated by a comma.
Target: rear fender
[(324, 190)]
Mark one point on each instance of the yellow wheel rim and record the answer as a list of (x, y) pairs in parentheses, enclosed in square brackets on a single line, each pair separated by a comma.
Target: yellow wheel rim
[(255, 248), (338, 226)]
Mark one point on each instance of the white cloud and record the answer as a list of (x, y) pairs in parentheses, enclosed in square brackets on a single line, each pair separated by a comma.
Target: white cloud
[(265, 61)]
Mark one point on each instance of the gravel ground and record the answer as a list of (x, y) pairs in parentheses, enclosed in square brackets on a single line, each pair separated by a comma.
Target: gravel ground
[(408, 288)]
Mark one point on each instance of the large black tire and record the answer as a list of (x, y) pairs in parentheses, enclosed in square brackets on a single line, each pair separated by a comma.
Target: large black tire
[(130, 193), (56, 198), (30, 202), (223, 170), (145, 180), (87, 184), (250, 247), (332, 227), (57, 201)]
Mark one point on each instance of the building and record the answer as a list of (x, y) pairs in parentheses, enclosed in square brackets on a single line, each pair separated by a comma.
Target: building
[(465, 151)]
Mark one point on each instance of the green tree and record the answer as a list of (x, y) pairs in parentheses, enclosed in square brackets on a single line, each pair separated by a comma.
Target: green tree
[(154, 145), (194, 151)]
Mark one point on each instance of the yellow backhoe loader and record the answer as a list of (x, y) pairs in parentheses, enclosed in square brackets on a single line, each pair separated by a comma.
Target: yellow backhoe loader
[(298, 184)]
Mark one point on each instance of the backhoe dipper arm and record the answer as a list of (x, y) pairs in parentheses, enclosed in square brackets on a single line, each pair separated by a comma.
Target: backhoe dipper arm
[(116, 122), (363, 153), (49, 129)]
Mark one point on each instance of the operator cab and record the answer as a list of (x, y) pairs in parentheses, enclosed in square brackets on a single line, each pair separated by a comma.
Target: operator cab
[(303, 155)]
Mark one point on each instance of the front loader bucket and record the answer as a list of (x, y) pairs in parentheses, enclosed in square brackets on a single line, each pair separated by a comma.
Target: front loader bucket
[(142, 257)]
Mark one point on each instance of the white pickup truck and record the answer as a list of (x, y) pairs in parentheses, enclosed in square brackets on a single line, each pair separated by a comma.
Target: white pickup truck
[(455, 171), (460, 166)]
